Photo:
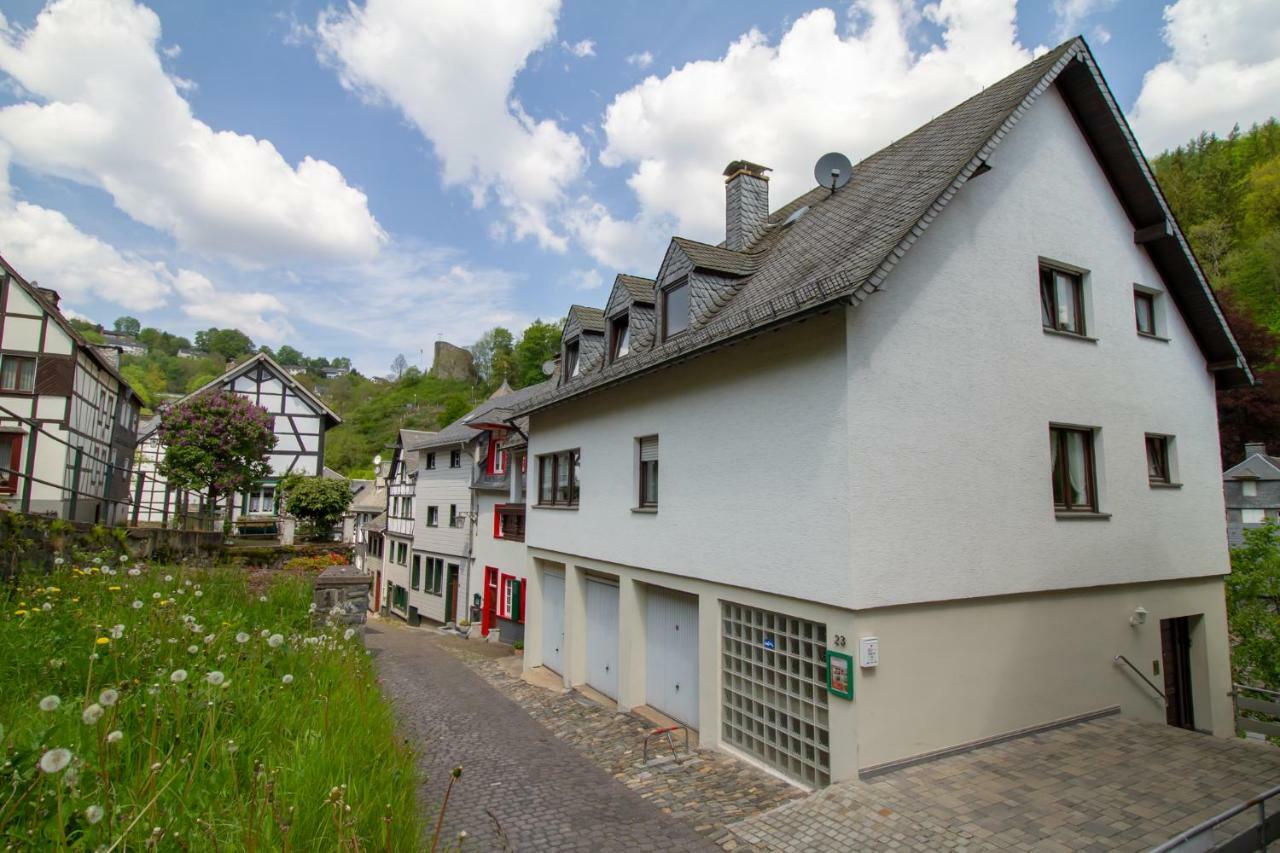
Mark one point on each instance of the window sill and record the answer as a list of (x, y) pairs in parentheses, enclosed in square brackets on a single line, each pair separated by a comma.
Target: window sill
[(1062, 515), (555, 506), (1165, 485), (645, 510), (1061, 334), (1152, 337)]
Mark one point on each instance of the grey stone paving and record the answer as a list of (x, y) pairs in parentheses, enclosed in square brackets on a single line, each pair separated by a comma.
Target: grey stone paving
[(522, 788), (1111, 784), (707, 790)]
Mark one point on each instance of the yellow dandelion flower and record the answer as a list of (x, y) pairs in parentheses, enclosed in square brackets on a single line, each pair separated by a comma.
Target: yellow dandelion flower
[(54, 589), (102, 641), (114, 588), (19, 613), (22, 604), (75, 601)]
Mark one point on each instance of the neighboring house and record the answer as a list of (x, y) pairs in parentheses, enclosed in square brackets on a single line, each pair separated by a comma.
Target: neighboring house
[(189, 353), (402, 478), (369, 516), (935, 449), (296, 370), (497, 579), (351, 519), (1252, 491), (156, 503), (68, 420), (124, 343), (299, 420)]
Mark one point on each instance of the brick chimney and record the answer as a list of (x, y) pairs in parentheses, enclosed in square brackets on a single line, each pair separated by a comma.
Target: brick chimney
[(1252, 448), (110, 354), (746, 198)]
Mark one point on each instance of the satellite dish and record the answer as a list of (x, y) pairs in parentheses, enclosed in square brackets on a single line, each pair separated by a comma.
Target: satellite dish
[(377, 461), (548, 367), (833, 170)]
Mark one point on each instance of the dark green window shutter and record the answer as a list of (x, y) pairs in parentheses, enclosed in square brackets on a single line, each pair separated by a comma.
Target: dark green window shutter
[(517, 600)]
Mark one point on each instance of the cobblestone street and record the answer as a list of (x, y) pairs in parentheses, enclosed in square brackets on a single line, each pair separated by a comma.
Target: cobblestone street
[(522, 788)]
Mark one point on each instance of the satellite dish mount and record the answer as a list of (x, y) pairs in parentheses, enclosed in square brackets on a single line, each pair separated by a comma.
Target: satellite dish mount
[(833, 170)]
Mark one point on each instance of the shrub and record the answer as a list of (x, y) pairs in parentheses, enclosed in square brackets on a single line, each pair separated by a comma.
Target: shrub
[(171, 708), (318, 563)]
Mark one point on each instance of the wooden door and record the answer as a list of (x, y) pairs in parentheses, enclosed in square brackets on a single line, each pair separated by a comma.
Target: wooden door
[(490, 615), (451, 594), (1175, 645)]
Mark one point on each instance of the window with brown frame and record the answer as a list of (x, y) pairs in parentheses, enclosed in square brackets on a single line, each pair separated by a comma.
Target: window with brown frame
[(1062, 300), (11, 459), (510, 522), (1074, 476), (1144, 312), (17, 373), (571, 367), (1158, 459), (558, 479), (648, 472), (619, 337), (675, 308)]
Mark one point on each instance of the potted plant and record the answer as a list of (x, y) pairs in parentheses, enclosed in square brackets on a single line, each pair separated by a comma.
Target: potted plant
[(518, 645)]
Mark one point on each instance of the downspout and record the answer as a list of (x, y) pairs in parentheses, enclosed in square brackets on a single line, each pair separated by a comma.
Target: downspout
[(472, 524)]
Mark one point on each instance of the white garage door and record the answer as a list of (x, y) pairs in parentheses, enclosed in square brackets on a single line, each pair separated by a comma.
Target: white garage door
[(553, 621), (671, 654), (602, 637)]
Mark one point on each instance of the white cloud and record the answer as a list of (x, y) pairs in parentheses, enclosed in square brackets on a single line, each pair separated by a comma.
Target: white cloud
[(821, 88), (261, 316), (581, 49), (586, 279), (103, 112), (411, 296), (643, 59), (1069, 15), (1224, 68), (449, 67)]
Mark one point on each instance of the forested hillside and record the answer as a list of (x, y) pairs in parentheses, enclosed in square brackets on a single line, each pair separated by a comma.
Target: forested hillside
[(1225, 194)]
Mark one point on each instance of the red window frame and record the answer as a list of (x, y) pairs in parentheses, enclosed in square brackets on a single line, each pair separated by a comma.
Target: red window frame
[(503, 610), (9, 479)]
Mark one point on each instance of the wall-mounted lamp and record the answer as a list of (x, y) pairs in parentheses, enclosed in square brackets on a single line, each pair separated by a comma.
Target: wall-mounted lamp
[(1139, 616)]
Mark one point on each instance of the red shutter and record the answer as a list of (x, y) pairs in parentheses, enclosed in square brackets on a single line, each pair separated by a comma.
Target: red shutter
[(524, 586)]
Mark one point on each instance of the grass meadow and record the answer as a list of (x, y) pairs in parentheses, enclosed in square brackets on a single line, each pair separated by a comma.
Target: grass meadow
[(173, 708)]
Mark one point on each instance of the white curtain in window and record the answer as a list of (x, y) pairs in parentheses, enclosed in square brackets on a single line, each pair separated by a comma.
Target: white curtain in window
[(1077, 473)]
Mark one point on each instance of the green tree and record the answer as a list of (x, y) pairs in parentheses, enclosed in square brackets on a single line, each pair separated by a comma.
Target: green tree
[(195, 383), (494, 354), (399, 365), (288, 356), (539, 344), (1253, 608), (317, 500), (228, 343), (89, 331), (128, 326), (216, 442)]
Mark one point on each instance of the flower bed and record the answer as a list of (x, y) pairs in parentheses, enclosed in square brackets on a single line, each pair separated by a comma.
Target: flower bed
[(175, 708)]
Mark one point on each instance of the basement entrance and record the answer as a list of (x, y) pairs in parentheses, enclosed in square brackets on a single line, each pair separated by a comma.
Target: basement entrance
[(1175, 646)]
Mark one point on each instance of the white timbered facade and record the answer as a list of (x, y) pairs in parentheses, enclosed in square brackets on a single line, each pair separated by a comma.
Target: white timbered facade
[(299, 421), (68, 420)]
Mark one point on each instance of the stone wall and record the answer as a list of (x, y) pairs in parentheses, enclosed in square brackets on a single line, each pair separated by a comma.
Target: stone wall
[(452, 362)]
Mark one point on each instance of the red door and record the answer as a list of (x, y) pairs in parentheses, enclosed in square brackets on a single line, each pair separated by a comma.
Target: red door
[(490, 615)]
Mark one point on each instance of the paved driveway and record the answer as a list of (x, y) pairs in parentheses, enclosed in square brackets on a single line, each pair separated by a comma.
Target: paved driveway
[(521, 787), (1110, 784)]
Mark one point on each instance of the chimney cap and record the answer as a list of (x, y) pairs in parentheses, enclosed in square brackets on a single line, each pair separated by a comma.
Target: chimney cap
[(746, 167)]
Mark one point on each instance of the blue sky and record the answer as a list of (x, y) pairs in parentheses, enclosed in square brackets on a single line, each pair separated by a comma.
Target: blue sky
[(361, 180)]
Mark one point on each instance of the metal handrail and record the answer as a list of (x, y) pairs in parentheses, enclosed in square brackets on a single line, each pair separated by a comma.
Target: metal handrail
[(1199, 829), (1275, 693), (1118, 658)]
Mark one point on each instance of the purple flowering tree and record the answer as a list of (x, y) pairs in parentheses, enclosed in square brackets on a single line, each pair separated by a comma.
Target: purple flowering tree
[(216, 442)]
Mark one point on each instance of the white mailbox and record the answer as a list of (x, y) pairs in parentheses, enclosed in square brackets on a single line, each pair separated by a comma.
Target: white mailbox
[(868, 652)]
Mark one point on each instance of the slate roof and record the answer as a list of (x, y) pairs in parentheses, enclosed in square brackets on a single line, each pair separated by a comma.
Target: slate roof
[(848, 242), (492, 410), (590, 319), (719, 259), (640, 289), (1246, 470)]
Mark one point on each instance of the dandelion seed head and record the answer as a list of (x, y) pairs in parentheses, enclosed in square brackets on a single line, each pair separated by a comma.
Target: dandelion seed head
[(55, 760), (108, 697), (50, 703), (137, 605), (117, 631), (93, 814), (349, 633), (287, 679), (179, 675), (242, 638), (46, 607), (115, 736), (92, 714), (156, 596), (215, 678), (275, 641)]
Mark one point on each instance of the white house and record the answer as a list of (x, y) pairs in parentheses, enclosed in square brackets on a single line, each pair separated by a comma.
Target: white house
[(299, 421), (936, 447), (68, 420)]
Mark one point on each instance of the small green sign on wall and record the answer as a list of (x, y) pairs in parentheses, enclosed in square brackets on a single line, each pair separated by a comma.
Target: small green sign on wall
[(839, 674)]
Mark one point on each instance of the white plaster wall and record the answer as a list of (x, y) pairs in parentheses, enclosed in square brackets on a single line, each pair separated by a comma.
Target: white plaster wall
[(506, 556), (753, 483), (953, 385), (440, 487)]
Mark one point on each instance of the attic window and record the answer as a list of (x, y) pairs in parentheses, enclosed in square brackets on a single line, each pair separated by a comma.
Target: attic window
[(619, 337), (571, 366), (675, 309)]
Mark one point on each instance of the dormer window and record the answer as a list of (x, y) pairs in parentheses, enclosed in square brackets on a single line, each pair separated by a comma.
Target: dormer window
[(571, 366), (675, 309), (619, 337)]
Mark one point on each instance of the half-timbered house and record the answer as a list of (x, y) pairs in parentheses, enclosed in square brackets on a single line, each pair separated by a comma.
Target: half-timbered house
[(299, 421), (68, 420)]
